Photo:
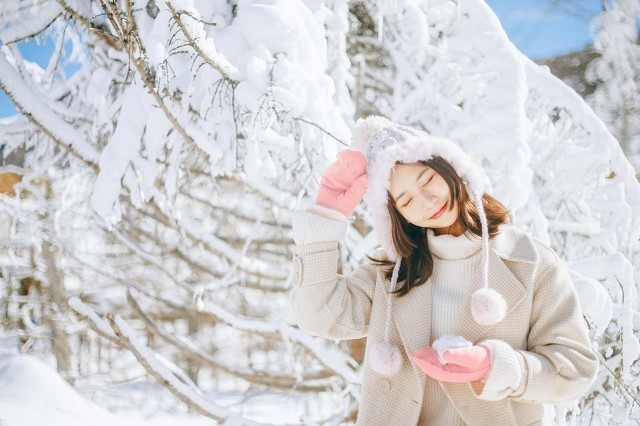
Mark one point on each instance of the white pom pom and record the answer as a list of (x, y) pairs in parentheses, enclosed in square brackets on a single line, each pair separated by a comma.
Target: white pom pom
[(488, 307), (364, 128), (385, 358)]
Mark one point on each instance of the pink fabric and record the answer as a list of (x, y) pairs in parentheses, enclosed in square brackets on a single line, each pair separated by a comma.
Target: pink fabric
[(344, 182), (463, 364)]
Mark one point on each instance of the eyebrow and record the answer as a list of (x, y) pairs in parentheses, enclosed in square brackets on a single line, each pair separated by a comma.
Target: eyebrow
[(417, 179)]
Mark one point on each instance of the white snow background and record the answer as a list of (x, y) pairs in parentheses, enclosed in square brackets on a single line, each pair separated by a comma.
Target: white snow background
[(245, 119)]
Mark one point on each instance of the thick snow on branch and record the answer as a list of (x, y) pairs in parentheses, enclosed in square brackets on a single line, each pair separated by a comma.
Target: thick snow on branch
[(225, 114), (291, 333), (22, 19), (122, 148), (99, 324), (147, 358), (248, 127), (240, 323), (548, 156), (562, 95), (31, 103)]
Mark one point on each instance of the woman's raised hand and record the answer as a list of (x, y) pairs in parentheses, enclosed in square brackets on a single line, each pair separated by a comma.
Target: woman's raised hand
[(344, 182)]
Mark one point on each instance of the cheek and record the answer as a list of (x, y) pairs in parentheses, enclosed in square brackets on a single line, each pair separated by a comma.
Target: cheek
[(441, 187), (454, 210), (415, 215), (409, 215)]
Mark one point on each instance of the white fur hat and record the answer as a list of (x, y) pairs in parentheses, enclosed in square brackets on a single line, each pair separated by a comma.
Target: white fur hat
[(384, 143)]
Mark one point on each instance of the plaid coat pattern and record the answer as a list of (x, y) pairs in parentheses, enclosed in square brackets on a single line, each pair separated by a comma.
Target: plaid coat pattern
[(541, 353)]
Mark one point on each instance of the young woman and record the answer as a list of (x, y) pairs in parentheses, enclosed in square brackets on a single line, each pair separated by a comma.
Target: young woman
[(451, 264)]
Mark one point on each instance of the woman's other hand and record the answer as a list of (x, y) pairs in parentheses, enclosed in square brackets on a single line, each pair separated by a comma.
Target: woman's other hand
[(344, 182), (462, 364)]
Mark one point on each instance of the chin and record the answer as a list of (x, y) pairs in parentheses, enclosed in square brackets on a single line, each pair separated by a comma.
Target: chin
[(442, 222), (439, 226)]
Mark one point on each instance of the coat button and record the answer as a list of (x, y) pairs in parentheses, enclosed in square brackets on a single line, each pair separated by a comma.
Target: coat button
[(297, 269), (384, 386)]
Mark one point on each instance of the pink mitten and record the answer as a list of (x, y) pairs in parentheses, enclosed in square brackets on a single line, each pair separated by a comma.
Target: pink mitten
[(463, 364), (344, 182)]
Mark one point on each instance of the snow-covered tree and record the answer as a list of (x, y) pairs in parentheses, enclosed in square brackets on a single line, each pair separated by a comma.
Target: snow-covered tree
[(566, 180), (193, 128), (616, 71)]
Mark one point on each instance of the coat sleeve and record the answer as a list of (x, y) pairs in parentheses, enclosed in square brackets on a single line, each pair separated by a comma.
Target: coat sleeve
[(559, 364), (328, 304)]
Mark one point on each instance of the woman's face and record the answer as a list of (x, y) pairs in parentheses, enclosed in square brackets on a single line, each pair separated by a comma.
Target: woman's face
[(422, 196)]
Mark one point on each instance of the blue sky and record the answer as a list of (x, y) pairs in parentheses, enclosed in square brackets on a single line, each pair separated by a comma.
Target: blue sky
[(39, 51), (546, 28), (539, 28)]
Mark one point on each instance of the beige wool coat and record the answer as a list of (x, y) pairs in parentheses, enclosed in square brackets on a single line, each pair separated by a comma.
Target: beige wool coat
[(541, 351)]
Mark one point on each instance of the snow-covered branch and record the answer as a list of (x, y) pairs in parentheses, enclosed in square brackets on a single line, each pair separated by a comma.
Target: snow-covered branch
[(267, 329), (195, 353), (31, 106), (230, 73), (154, 367)]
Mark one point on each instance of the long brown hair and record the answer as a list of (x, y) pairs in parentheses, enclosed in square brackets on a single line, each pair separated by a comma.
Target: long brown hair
[(410, 241)]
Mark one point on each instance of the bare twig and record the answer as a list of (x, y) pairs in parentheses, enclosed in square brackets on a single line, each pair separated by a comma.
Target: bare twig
[(109, 39), (199, 51), (321, 129), (184, 394), (194, 353)]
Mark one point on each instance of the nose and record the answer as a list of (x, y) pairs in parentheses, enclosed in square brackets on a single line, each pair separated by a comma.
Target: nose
[(428, 203)]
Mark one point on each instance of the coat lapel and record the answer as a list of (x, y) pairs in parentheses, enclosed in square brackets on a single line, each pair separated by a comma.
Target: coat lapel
[(504, 282), (510, 244), (513, 245), (412, 313)]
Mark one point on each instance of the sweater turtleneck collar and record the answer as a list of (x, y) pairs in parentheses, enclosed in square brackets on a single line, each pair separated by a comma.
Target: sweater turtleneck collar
[(449, 247)]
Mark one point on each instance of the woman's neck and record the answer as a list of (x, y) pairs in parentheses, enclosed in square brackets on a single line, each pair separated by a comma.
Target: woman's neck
[(451, 247), (456, 229)]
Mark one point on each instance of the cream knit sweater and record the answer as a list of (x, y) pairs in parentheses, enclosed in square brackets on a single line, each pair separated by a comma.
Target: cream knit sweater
[(456, 259)]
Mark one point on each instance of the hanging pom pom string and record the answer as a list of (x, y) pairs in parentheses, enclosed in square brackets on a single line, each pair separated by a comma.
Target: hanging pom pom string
[(385, 356), (488, 307), (394, 280), (485, 239)]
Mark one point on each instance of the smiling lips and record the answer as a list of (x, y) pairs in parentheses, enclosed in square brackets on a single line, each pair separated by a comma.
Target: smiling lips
[(439, 213)]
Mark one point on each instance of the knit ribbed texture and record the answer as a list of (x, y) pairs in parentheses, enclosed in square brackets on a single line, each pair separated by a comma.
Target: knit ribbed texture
[(456, 259), (448, 247), (311, 227)]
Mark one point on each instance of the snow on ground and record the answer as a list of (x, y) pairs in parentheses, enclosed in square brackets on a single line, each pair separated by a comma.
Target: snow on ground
[(33, 394)]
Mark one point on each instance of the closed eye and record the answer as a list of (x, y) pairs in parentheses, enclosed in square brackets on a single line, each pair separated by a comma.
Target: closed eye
[(425, 184)]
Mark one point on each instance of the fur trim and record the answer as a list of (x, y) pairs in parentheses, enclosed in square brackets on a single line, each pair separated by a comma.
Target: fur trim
[(385, 358), (385, 143), (364, 128)]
